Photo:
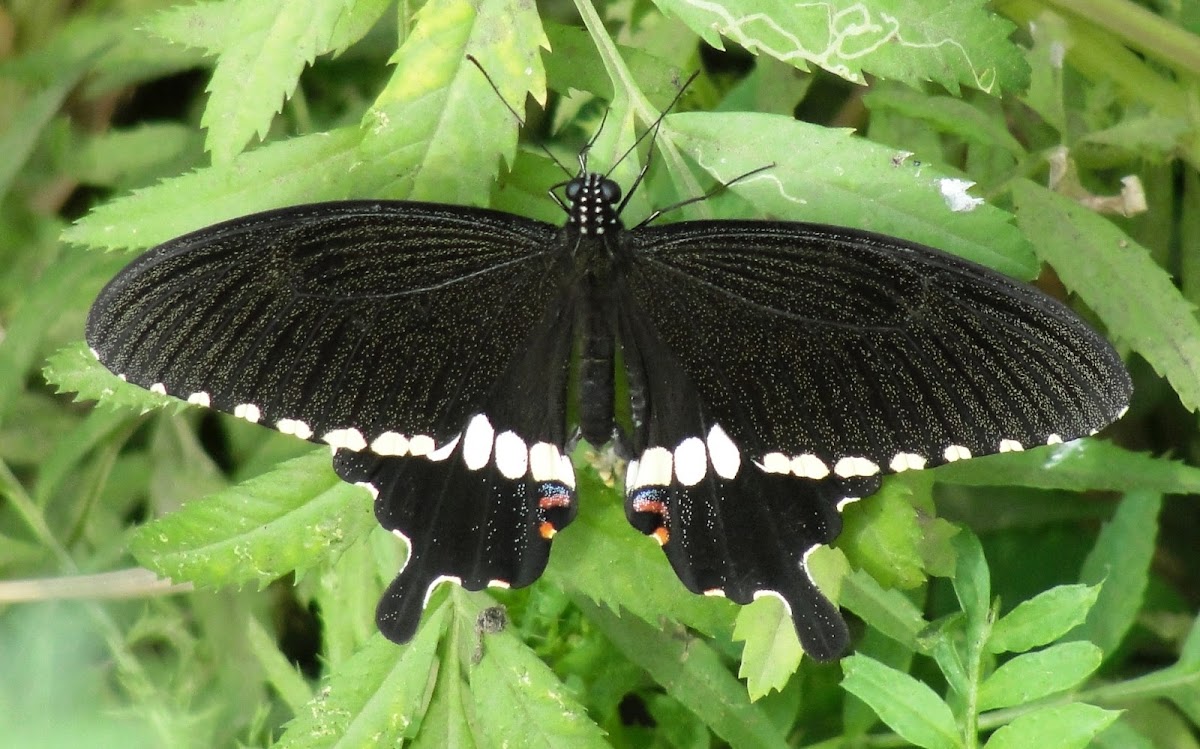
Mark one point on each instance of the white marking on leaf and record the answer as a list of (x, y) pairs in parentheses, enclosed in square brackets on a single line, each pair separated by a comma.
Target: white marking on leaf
[(691, 461), (954, 192)]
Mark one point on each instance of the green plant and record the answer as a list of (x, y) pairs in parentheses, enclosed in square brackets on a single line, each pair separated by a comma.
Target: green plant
[(277, 645)]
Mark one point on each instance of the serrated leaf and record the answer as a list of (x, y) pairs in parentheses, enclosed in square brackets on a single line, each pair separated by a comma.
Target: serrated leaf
[(907, 706), (374, 699), (839, 179), (692, 673), (1039, 674), (1121, 561), (1120, 280), (259, 530), (202, 25), (1042, 619), (772, 652), (1062, 727), (425, 126), (300, 170), (907, 40), (263, 49), (519, 702), (1079, 465), (74, 370)]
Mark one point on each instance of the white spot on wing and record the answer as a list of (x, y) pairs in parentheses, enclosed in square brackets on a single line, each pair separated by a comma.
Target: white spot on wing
[(159, 388), (691, 461), (345, 439), (842, 503), (726, 458), (95, 353), (420, 444), (390, 443), (774, 594), (543, 462), (200, 398), (654, 468), (445, 450), (566, 471), (247, 411), (907, 462), (631, 475), (954, 192), (715, 593), (808, 466), (1054, 439), (775, 463), (502, 584), (1011, 446), (477, 442), (294, 426), (371, 488), (956, 452), (853, 466), (512, 455)]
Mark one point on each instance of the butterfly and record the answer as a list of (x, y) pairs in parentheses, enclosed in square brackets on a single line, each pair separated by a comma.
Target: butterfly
[(774, 373)]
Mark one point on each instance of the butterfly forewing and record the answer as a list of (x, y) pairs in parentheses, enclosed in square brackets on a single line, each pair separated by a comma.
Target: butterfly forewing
[(428, 345), (787, 367)]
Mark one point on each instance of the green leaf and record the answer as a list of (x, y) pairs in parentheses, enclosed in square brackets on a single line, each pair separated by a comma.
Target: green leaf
[(262, 46), (519, 702), (906, 40), (75, 370), (581, 562), (376, 698), (1121, 560), (948, 114), (259, 530), (1121, 735), (883, 536), (1079, 465), (772, 652), (907, 706), (1039, 674), (299, 170), (428, 122), (691, 672), (847, 181), (282, 674), (1119, 280), (1043, 618), (887, 611), (972, 583), (1060, 727)]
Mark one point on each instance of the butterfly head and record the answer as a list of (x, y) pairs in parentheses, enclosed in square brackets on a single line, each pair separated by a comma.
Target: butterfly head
[(594, 204)]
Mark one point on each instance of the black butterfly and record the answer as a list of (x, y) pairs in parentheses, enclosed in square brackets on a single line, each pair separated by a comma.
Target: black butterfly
[(776, 371)]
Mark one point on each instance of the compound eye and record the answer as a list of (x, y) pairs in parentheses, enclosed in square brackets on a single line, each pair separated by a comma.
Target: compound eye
[(574, 188), (610, 192)]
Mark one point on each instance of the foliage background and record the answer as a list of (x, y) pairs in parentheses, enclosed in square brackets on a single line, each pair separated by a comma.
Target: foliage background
[(123, 124)]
